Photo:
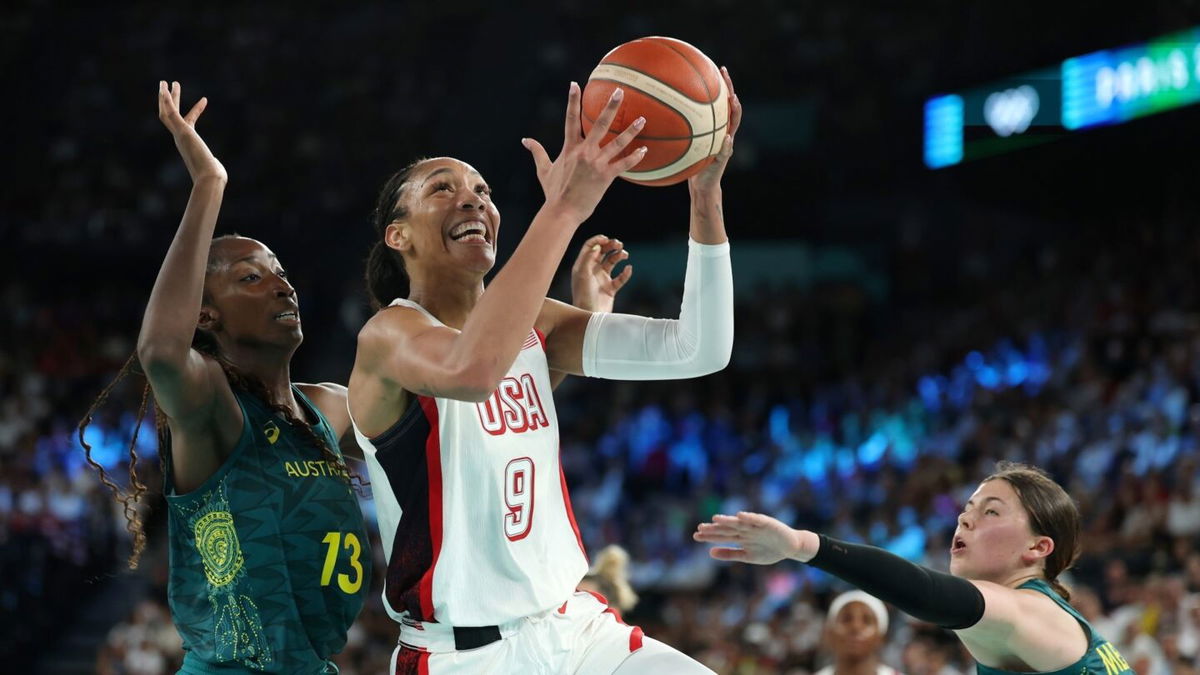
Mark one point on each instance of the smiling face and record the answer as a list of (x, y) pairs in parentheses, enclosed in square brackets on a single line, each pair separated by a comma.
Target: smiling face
[(993, 540), (247, 297), (449, 219)]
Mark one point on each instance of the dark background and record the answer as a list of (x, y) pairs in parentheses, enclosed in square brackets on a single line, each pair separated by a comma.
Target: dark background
[(311, 106)]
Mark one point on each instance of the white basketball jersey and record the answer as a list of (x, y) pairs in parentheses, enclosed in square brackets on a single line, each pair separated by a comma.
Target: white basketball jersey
[(472, 504)]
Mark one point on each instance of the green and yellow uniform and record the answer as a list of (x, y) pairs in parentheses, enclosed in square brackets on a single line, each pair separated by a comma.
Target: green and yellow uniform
[(269, 557), (1101, 658)]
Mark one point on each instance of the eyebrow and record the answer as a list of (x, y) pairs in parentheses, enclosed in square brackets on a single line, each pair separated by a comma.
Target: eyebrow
[(445, 169), (251, 258), (985, 500)]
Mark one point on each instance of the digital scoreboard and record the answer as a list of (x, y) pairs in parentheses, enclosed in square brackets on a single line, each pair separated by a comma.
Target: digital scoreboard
[(1104, 87)]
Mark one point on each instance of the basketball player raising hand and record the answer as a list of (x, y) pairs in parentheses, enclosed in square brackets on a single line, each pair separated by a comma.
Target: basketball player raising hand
[(451, 398)]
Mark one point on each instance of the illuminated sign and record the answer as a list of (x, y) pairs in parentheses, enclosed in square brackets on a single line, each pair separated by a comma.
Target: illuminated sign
[(1014, 112), (1112, 86), (1105, 87)]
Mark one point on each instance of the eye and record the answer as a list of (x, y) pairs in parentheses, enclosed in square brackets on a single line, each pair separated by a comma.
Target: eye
[(483, 190), (444, 185), (281, 273), (993, 512), (250, 277)]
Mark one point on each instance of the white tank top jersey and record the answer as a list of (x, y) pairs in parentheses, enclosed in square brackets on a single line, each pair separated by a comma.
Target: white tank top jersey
[(472, 503)]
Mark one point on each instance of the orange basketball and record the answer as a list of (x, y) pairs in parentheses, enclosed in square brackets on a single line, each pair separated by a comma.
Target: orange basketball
[(681, 94)]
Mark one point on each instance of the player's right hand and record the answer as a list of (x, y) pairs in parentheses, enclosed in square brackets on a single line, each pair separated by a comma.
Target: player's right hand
[(593, 286), (578, 178), (199, 160), (761, 540)]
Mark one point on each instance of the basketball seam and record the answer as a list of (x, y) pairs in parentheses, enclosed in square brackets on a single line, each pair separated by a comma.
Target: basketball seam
[(659, 138), (712, 108), (665, 104), (656, 78)]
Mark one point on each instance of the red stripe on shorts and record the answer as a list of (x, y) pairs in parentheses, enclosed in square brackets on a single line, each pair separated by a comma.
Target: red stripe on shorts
[(412, 662), (635, 636), (635, 639)]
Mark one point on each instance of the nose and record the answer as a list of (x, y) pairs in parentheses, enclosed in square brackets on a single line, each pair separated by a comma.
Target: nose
[(283, 288), (963, 521), (471, 202)]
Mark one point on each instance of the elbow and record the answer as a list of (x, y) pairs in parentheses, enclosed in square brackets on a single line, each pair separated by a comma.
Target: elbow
[(714, 356), (714, 363), (156, 355), (475, 383)]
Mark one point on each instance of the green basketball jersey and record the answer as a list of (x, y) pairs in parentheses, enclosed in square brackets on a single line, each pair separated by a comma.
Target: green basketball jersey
[(1101, 658), (269, 559)]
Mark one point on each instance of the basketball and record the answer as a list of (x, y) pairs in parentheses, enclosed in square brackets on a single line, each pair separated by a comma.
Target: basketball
[(681, 94)]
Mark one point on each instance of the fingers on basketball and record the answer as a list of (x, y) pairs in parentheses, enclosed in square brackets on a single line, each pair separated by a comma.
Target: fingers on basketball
[(604, 121)]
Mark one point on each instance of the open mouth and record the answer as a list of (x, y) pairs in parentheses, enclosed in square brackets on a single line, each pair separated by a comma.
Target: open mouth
[(469, 231), (287, 316), (958, 546)]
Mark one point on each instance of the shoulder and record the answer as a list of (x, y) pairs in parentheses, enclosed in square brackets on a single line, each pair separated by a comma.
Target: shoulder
[(555, 313), (1024, 623), (1024, 606), (390, 324), (323, 391)]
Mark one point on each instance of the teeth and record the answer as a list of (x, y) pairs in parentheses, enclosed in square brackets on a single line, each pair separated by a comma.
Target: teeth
[(471, 226), (473, 236), (286, 315)]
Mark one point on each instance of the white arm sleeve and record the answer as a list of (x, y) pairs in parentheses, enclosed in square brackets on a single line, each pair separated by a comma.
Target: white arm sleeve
[(627, 347)]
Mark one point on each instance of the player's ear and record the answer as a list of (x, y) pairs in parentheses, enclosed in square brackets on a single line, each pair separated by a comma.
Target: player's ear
[(210, 319), (398, 235)]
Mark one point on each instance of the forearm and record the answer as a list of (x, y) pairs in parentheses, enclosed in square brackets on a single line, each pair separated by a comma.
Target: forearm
[(492, 336), (707, 224), (174, 305), (620, 346), (938, 598)]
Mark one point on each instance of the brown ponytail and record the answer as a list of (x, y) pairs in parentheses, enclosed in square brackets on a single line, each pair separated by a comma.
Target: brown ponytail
[(1052, 513)]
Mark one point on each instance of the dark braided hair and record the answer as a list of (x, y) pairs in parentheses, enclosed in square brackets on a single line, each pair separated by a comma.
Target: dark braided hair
[(133, 520), (204, 343), (385, 276)]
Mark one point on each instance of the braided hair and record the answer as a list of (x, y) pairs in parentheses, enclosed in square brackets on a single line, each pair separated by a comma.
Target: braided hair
[(204, 343), (385, 276)]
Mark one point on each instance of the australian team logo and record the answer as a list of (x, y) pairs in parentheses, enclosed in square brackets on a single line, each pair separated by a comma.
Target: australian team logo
[(217, 541), (514, 407), (271, 431)]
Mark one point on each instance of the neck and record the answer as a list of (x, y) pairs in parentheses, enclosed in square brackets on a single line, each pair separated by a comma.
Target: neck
[(271, 367), (1021, 576), (450, 300), (856, 664)]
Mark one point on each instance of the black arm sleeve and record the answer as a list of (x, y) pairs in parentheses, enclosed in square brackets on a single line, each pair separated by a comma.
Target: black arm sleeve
[(942, 599)]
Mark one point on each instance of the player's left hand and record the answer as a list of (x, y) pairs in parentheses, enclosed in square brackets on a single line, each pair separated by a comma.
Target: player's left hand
[(761, 540), (199, 160), (593, 286), (710, 178)]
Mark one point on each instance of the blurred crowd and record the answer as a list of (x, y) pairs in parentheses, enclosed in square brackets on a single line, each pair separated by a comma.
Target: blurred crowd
[(867, 416), (871, 423)]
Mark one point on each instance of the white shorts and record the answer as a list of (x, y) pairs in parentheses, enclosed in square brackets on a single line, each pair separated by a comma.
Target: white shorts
[(584, 636)]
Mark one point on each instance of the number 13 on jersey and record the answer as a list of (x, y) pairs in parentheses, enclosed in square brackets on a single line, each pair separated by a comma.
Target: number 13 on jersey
[(518, 498), (335, 541)]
